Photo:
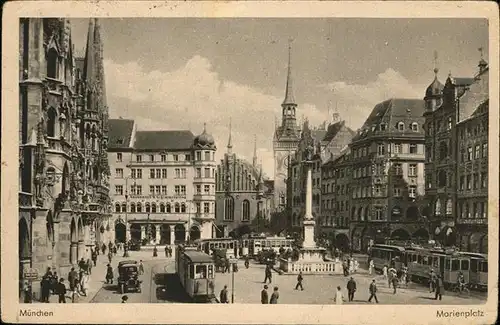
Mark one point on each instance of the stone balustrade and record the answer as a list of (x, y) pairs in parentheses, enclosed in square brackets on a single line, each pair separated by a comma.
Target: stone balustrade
[(312, 267)]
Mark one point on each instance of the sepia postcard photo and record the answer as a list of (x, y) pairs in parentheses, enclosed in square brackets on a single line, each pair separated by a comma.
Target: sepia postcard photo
[(189, 162)]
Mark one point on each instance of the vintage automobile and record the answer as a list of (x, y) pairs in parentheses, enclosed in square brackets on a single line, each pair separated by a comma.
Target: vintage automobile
[(128, 276), (267, 256)]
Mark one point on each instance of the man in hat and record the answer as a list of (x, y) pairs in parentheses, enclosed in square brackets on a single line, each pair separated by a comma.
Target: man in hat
[(224, 296), (264, 297), (274, 296)]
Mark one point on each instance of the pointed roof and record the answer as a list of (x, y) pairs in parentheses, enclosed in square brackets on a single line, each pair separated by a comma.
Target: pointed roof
[(436, 87), (289, 97), (229, 142)]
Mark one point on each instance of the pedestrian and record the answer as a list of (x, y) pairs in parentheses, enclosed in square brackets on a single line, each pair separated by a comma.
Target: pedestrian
[(141, 268), (80, 279), (103, 249), (110, 256), (166, 251), (373, 291), (345, 268), (370, 267), (439, 288), (72, 279), (264, 297), (155, 251), (84, 283), (432, 281), (384, 271), (299, 282), (89, 266), (223, 296), (394, 283), (275, 296), (61, 291), (226, 265), (339, 296), (94, 256), (115, 250), (109, 274), (45, 288), (53, 282), (268, 274), (81, 264), (351, 289), (124, 299), (28, 293)]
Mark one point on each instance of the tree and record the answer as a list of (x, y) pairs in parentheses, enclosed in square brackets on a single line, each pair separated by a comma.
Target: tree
[(260, 224)]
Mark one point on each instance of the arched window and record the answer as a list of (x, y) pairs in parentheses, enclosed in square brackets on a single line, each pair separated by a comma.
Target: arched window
[(443, 150), (148, 208), (414, 126), (153, 207), (246, 210), (162, 207), (117, 207), (442, 178), (132, 207), (449, 207), (183, 208), (168, 208), (229, 208), (52, 59), (139, 207), (437, 207), (51, 122), (400, 126), (177, 208), (124, 207)]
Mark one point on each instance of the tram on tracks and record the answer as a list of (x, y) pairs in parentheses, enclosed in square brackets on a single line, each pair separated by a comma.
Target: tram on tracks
[(196, 273), (209, 245), (253, 245), (446, 262)]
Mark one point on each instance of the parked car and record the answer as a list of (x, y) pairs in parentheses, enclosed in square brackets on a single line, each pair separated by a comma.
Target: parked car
[(128, 276)]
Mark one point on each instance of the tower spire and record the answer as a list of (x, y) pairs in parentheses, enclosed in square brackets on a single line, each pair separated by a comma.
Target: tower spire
[(230, 142), (436, 69), (254, 162), (289, 97)]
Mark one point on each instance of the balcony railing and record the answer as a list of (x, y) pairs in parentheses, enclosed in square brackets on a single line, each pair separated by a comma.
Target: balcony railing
[(468, 221)]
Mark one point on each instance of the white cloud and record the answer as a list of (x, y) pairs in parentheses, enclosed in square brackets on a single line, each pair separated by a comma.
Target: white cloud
[(195, 94)]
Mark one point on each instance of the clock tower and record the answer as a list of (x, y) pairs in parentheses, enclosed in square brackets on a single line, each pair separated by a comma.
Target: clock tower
[(285, 141)]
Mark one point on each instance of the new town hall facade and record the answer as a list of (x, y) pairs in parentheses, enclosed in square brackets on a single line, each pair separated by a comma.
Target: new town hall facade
[(64, 204)]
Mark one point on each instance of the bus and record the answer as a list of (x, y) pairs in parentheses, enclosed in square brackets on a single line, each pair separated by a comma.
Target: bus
[(196, 273)]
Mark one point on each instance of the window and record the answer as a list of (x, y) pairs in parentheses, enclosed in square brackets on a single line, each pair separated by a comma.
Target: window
[(183, 189), (469, 153), (168, 208), (206, 189), (151, 173), (401, 126), (378, 213), (397, 191), (176, 157), (443, 150), (478, 152), (381, 149), (485, 149), (442, 178), (462, 182), (164, 189), (163, 158), (229, 208), (450, 123), (187, 157), (183, 173), (119, 173), (207, 155), (207, 172), (198, 155), (198, 189), (183, 207), (124, 207), (412, 192), (412, 170), (398, 148), (151, 189), (177, 208), (413, 148), (138, 158), (148, 208), (162, 207), (206, 207), (398, 170), (476, 181), (177, 173), (132, 173), (158, 173), (462, 155), (414, 126), (469, 183), (51, 122), (382, 126), (177, 190), (119, 189), (428, 180), (198, 172), (377, 190), (119, 157), (151, 157), (164, 173), (117, 207), (484, 180), (139, 189), (139, 173), (52, 64), (449, 207), (246, 211)]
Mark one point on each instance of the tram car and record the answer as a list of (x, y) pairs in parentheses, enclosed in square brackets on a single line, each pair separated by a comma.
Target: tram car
[(478, 273), (196, 273), (254, 245), (209, 245), (390, 255)]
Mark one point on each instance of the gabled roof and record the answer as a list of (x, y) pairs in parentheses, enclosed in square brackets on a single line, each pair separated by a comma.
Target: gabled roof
[(120, 133), (164, 140)]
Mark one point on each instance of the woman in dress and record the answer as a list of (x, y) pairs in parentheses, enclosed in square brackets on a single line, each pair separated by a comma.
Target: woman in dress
[(339, 296)]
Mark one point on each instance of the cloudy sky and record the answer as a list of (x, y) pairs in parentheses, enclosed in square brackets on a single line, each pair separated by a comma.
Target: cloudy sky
[(178, 73)]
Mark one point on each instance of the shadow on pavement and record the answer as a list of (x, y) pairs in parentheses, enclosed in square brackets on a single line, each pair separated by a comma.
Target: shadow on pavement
[(169, 288)]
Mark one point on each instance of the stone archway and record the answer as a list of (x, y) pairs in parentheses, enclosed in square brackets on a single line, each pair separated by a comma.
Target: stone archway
[(165, 234), (194, 233), (421, 234), (342, 242), (400, 234), (180, 233), (135, 232), (121, 232)]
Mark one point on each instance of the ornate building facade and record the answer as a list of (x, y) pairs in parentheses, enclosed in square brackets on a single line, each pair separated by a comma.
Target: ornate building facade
[(456, 124), (387, 175), (163, 184), (285, 141), (64, 187), (242, 195)]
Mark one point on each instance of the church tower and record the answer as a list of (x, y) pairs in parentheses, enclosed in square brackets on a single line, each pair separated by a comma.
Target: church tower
[(285, 141)]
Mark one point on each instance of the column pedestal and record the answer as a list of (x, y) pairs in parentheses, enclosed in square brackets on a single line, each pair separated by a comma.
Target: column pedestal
[(158, 235), (172, 234), (143, 232)]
